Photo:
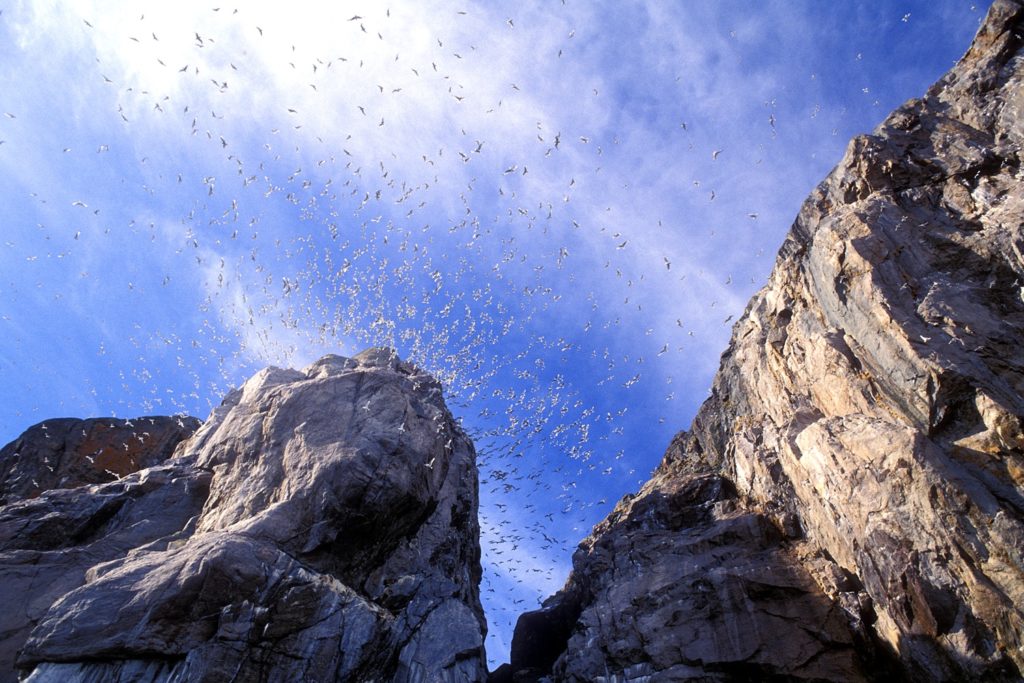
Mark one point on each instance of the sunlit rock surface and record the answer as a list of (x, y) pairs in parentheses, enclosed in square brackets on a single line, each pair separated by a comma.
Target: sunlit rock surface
[(848, 503), (320, 526)]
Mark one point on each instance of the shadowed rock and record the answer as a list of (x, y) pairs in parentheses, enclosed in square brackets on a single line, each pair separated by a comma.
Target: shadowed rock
[(67, 452), (849, 502)]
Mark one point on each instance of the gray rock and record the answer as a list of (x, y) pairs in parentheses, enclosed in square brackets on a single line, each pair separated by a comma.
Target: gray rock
[(49, 543), (335, 538), (868, 416), (685, 582)]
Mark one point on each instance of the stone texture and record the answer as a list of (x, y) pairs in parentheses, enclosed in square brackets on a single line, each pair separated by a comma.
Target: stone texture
[(50, 538), (849, 502), (328, 532), (67, 452), (49, 545)]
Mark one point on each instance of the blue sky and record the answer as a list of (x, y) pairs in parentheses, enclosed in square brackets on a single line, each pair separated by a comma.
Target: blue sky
[(557, 208)]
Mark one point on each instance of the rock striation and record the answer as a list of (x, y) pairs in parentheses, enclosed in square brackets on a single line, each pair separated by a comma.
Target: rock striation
[(320, 526), (849, 502)]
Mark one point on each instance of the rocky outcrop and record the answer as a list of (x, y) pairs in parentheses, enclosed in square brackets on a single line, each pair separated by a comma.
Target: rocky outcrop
[(51, 538), (320, 526), (849, 502), (49, 544), (67, 452), (686, 582)]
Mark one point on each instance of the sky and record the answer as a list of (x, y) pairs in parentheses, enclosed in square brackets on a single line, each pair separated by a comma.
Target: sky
[(557, 208)]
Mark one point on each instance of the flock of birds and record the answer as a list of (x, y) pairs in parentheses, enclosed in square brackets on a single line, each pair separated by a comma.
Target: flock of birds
[(254, 195)]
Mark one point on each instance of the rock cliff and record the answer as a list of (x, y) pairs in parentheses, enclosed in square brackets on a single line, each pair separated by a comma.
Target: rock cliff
[(66, 452), (849, 502), (49, 538), (320, 526)]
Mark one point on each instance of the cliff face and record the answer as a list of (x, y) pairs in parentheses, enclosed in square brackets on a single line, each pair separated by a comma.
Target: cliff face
[(848, 503), (49, 539), (321, 526), (66, 452)]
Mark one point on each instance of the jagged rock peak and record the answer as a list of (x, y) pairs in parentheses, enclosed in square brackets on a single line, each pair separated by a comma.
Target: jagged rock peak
[(320, 526), (849, 502)]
